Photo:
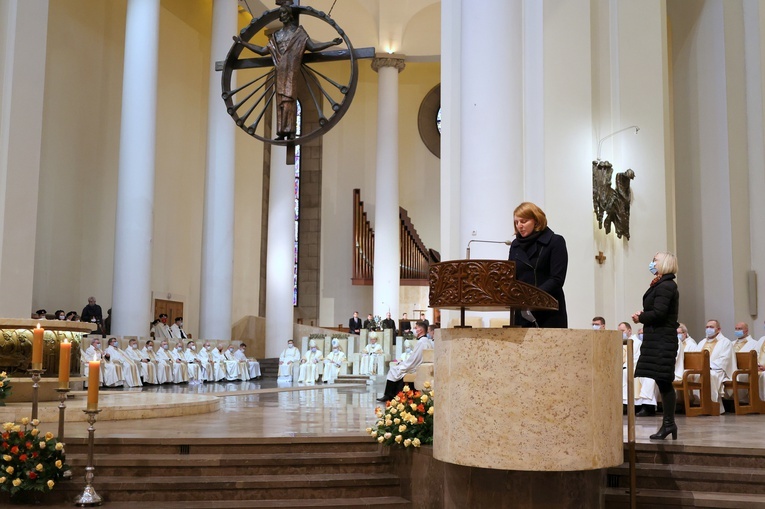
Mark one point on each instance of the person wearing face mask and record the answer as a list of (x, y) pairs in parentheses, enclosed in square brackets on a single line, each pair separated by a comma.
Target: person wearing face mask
[(407, 351), (598, 323), (541, 260), (176, 330), (743, 341), (173, 358), (213, 371), (147, 369), (252, 365), (332, 363), (372, 358), (230, 368), (131, 375), (160, 329), (658, 351), (164, 370), (645, 388), (309, 365), (111, 373), (175, 353), (289, 361), (722, 360), (241, 367), (59, 314), (196, 370)]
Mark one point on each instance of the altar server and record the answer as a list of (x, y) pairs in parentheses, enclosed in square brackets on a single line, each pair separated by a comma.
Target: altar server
[(396, 373)]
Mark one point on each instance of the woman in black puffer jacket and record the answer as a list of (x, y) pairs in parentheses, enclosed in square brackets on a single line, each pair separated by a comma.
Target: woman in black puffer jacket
[(659, 348)]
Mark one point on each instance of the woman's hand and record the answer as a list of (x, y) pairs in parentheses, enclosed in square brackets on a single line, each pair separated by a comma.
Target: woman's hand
[(636, 317)]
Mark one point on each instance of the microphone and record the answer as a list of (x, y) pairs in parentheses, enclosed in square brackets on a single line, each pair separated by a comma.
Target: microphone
[(526, 314), (467, 251)]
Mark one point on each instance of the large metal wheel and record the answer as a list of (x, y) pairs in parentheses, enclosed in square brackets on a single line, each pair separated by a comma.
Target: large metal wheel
[(247, 103)]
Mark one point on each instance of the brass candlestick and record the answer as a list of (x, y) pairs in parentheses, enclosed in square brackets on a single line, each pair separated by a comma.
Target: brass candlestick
[(89, 497), (36, 374), (62, 395)]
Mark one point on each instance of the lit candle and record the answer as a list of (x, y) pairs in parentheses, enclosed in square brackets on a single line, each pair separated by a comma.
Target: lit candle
[(94, 372), (64, 355), (37, 347)]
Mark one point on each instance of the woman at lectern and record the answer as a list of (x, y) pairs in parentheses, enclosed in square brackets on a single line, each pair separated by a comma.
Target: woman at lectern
[(659, 348), (541, 260)]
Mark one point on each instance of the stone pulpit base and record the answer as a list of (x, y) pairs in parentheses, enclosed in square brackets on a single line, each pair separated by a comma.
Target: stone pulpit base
[(527, 418)]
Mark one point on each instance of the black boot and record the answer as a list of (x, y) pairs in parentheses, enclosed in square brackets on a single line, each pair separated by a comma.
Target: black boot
[(668, 426), (391, 389), (646, 411)]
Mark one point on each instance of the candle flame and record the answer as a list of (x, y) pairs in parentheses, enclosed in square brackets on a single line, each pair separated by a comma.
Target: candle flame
[(38, 325)]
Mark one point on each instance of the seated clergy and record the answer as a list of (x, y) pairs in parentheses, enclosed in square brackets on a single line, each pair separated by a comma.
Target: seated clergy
[(241, 366), (130, 371), (372, 358), (645, 388), (147, 368), (332, 363), (253, 366), (407, 351), (164, 369), (111, 373), (160, 329), (289, 363), (230, 368), (721, 358), (396, 373), (309, 365), (174, 358), (214, 372), (759, 347), (196, 373), (742, 338), (176, 330)]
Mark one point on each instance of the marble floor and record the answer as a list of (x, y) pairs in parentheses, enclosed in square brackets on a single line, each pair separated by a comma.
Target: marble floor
[(261, 409)]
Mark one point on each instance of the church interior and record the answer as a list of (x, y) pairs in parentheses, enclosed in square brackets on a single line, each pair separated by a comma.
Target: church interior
[(126, 178)]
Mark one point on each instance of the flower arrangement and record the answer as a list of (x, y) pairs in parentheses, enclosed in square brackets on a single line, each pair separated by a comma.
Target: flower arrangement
[(28, 460), (407, 419), (5, 387)]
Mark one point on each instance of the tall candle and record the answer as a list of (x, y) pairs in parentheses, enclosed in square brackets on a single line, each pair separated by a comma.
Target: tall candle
[(64, 355), (94, 372), (37, 347)]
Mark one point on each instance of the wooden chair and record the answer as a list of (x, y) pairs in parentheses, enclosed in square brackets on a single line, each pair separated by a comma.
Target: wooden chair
[(747, 365), (697, 363)]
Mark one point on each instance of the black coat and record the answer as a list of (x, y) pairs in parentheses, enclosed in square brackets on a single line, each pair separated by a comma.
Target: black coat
[(354, 324), (543, 263), (659, 318)]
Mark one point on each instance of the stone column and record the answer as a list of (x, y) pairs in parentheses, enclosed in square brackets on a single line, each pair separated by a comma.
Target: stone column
[(280, 253), (387, 243), (491, 122), (218, 227), (135, 185), (22, 82)]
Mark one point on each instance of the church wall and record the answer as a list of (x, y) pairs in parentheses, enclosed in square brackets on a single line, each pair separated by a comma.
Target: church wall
[(630, 83), (710, 123), (349, 162)]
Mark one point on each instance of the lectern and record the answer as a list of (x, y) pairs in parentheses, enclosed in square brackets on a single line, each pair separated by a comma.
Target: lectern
[(531, 413)]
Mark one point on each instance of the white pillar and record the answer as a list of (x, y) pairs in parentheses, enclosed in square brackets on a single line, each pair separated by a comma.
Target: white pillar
[(135, 185), (280, 253), (387, 255), (22, 83), (218, 228), (491, 122)]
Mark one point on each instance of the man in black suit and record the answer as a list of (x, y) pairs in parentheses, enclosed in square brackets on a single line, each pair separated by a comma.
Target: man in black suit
[(404, 325), (354, 324), (388, 323), (369, 323), (423, 319)]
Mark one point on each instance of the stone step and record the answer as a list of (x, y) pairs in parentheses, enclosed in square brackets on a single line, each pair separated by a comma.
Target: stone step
[(149, 465), (345, 503), (618, 498), (694, 478), (699, 455), (264, 487), (225, 447)]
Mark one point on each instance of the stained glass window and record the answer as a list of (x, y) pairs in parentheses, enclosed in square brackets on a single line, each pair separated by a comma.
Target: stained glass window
[(298, 121)]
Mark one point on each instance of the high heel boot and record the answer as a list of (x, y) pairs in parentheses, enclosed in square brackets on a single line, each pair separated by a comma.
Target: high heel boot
[(668, 426)]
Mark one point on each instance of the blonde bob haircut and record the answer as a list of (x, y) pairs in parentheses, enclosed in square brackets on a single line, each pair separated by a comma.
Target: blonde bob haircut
[(528, 210), (666, 263)]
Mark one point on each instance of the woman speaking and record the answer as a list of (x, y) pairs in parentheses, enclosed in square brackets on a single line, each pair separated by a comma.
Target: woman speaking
[(659, 348), (541, 260)]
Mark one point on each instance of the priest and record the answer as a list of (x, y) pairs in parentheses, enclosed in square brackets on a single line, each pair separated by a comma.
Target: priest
[(253, 366), (309, 365), (372, 357), (289, 362), (129, 368), (722, 359), (332, 363), (147, 368)]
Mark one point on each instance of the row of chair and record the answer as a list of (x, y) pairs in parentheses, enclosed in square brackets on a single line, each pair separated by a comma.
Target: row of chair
[(696, 377)]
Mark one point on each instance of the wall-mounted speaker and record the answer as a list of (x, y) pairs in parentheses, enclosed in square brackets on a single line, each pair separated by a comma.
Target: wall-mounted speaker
[(751, 280)]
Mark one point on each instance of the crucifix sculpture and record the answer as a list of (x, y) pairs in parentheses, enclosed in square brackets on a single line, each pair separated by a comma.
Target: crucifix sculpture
[(282, 68)]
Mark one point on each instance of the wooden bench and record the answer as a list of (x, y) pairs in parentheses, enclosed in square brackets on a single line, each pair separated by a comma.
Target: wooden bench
[(697, 363), (747, 365)]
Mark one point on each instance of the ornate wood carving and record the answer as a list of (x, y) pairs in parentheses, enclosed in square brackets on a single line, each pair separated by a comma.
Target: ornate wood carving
[(486, 285)]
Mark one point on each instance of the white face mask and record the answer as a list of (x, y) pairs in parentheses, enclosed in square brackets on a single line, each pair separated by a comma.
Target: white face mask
[(680, 337), (61, 317), (208, 347), (193, 347), (595, 326), (96, 346), (179, 348), (290, 346), (313, 349), (710, 332), (134, 347), (231, 350), (625, 335), (165, 346), (180, 324)]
